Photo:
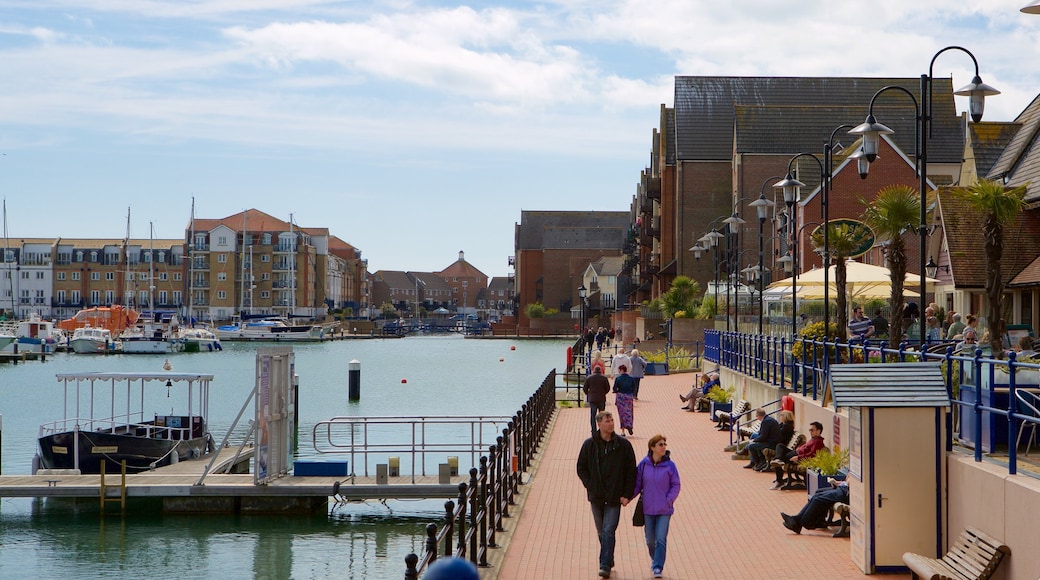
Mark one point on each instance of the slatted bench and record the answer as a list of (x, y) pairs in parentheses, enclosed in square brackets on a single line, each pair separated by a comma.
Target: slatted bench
[(797, 438), (727, 418), (842, 511), (973, 555)]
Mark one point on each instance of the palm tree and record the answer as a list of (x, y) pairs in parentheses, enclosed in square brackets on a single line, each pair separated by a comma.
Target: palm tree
[(890, 213), (843, 239), (999, 206), (680, 297)]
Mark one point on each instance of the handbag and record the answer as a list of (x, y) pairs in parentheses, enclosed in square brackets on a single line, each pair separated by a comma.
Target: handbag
[(637, 517)]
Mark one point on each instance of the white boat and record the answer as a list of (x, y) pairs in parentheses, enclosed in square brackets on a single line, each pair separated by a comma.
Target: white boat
[(274, 329), (199, 340), (109, 424), (160, 334), (92, 340), (6, 338), (35, 334)]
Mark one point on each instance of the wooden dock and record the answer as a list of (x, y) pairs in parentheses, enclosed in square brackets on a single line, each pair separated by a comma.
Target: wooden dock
[(178, 488), (22, 356)]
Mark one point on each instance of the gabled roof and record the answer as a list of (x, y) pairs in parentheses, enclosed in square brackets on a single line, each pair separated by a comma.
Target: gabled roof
[(962, 228), (462, 269), (254, 220), (1020, 161), (889, 385), (705, 110), (431, 281), (792, 129), (668, 130), (572, 230), (395, 279), (988, 142), (608, 265), (501, 283)]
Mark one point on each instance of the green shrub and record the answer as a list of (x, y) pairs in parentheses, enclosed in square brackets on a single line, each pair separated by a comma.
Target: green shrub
[(720, 395), (828, 462), (535, 310)]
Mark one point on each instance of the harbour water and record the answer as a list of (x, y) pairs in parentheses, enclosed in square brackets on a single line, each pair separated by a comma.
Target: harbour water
[(444, 375)]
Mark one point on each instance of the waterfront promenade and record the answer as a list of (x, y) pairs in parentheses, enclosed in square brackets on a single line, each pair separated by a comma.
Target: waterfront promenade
[(727, 522)]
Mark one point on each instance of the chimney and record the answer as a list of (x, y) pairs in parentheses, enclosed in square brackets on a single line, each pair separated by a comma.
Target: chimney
[(462, 256)]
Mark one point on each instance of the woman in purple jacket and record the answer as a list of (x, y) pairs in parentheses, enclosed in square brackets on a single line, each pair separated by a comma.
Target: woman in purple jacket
[(657, 480)]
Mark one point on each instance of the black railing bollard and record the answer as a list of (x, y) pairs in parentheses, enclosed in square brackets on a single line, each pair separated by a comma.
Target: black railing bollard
[(463, 505), (410, 561), (449, 524), (474, 494), (484, 511), (506, 475), (431, 542)]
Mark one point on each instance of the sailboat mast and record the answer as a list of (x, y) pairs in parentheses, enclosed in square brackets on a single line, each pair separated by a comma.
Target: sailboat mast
[(191, 266), (151, 269), (7, 262), (242, 276), (292, 269), (126, 260)]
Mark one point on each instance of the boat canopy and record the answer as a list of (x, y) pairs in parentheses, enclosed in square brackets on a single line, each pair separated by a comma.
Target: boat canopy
[(136, 376)]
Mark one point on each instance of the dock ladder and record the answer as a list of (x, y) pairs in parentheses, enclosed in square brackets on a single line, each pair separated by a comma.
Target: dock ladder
[(122, 489)]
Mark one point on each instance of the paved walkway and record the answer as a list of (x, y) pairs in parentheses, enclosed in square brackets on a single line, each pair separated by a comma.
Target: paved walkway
[(727, 522)]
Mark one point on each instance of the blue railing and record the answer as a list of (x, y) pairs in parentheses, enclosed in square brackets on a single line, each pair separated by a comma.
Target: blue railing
[(976, 384)]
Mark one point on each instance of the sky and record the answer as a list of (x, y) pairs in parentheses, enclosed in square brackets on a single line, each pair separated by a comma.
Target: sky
[(414, 129)]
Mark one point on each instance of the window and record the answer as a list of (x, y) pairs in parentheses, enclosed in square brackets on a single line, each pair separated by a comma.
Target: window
[(221, 240), (79, 256), (61, 275), (75, 275), (75, 298), (143, 276), (95, 297), (176, 296), (25, 275), (95, 276), (142, 297), (265, 258), (176, 276), (39, 275), (162, 256), (110, 276), (93, 258), (265, 276), (61, 297), (221, 295), (221, 276), (266, 239), (222, 258), (265, 294), (110, 296), (163, 276), (162, 297)]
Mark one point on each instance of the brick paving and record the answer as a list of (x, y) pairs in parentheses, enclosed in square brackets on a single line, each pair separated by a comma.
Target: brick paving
[(727, 522)]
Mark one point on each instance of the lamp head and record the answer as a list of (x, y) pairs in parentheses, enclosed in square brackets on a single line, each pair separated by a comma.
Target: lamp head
[(697, 251), (582, 291), (871, 131), (792, 189), (787, 262), (976, 91), (762, 207), (862, 163), (931, 268)]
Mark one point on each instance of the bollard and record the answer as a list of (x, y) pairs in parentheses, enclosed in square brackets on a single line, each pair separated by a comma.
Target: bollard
[(354, 380), (395, 466)]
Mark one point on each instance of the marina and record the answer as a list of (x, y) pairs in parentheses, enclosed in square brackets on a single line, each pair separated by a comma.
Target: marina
[(346, 536)]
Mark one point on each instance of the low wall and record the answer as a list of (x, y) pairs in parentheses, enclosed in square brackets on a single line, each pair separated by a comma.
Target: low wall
[(981, 495)]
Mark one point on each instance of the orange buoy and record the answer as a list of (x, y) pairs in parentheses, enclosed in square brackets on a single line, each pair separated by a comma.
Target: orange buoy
[(403, 381)]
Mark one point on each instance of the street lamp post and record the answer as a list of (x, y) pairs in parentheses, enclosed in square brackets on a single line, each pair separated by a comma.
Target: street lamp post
[(711, 240), (762, 207), (732, 222), (792, 196), (871, 131), (582, 293)]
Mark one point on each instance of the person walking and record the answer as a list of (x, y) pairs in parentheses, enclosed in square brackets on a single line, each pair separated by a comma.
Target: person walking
[(657, 482), (637, 371), (596, 388), (624, 390), (607, 468)]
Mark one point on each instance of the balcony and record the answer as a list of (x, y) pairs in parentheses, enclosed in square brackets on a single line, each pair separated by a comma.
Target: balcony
[(653, 187), (282, 266), (646, 205), (284, 248)]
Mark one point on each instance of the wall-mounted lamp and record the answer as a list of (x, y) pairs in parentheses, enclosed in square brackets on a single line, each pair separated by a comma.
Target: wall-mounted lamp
[(931, 268)]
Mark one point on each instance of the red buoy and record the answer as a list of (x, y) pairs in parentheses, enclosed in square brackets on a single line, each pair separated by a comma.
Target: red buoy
[(512, 347), (403, 381), (501, 359)]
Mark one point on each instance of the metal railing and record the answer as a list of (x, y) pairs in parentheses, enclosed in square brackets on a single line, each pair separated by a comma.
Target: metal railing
[(976, 384), (470, 527)]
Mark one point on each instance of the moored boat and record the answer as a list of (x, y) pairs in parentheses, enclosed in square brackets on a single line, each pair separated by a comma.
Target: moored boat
[(127, 434), (274, 329), (91, 340), (160, 334), (199, 340), (114, 318)]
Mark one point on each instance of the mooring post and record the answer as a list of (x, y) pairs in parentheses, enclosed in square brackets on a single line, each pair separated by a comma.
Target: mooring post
[(354, 380)]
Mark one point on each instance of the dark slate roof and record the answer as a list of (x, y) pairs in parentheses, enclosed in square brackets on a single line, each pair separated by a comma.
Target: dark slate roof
[(572, 230), (988, 141), (889, 385), (1020, 161), (501, 283), (793, 129), (705, 110), (962, 228)]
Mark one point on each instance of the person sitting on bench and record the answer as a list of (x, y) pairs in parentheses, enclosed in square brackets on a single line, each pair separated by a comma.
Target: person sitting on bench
[(805, 451), (767, 437), (814, 513), (693, 398)]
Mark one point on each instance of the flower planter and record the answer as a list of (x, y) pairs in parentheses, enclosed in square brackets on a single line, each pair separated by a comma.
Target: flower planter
[(815, 481), (656, 368)]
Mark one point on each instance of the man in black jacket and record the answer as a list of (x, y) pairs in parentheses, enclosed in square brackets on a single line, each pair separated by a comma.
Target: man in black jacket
[(767, 438), (596, 388), (607, 468)]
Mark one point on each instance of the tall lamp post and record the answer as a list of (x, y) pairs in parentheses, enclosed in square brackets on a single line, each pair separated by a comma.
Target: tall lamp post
[(582, 293), (871, 131), (732, 222), (792, 196), (710, 240), (762, 207)]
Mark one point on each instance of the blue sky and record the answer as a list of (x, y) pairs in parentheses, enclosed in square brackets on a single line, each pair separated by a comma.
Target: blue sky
[(411, 129)]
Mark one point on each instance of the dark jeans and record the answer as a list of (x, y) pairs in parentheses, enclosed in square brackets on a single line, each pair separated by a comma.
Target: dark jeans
[(635, 390), (814, 513), (755, 451), (593, 409), (607, 517)]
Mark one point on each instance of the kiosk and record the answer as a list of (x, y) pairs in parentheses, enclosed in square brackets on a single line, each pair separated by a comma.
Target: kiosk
[(896, 441)]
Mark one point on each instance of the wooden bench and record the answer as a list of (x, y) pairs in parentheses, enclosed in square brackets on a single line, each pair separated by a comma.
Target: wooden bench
[(796, 473), (842, 511), (973, 555), (796, 439), (726, 419)]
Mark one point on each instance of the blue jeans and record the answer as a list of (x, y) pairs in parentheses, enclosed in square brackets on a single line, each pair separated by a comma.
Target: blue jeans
[(607, 517), (635, 390), (593, 409), (656, 530)]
